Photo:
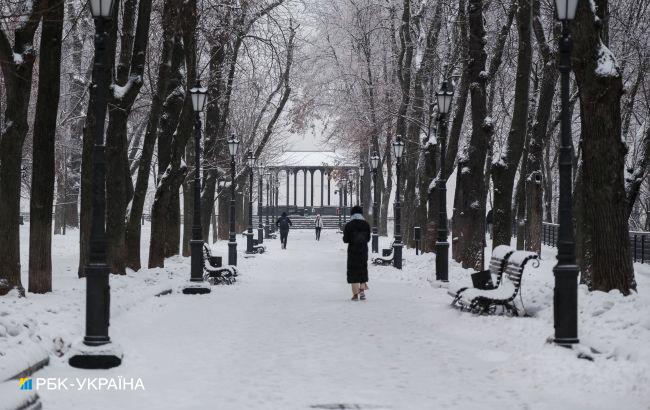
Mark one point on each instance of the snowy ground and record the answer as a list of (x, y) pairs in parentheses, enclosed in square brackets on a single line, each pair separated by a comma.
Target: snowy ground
[(286, 336)]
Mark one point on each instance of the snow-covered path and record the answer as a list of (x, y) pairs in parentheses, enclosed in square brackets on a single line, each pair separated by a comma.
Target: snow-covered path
[(286, 336)]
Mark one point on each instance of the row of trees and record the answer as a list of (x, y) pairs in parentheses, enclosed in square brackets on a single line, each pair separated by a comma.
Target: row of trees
[(385, 60), (242, 50), (368, 71)]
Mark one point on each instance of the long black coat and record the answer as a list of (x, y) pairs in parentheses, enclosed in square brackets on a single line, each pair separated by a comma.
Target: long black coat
[(357, 234)]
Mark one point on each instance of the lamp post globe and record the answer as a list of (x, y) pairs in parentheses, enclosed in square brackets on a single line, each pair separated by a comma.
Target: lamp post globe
[(444, 97), (374, 164), (199, 96), (565, 272), (102, 8), (97, 351), (566, 9), (398, 151), (197, 286), (250, 161), (233, 145)]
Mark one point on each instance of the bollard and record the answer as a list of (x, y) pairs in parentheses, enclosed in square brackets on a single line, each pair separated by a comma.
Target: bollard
[(417, 236)]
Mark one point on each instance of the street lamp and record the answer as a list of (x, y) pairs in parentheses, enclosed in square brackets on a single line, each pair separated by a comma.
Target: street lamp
[(339, 192), (233, 144), (250, 159), (260, 225), (274, 203), (271, 201), (398, 150), (267, 174), (197, 286), (444, 97), (374, 163), (361, 172), (345, 201), (96, 351), (565, 293)]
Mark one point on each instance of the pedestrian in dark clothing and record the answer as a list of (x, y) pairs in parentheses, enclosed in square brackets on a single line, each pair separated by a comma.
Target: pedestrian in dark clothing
[(284, 223), (356, 234), (319, 226)]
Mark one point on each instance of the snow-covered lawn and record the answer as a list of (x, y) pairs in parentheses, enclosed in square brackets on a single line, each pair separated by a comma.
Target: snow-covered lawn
[(286, 336)]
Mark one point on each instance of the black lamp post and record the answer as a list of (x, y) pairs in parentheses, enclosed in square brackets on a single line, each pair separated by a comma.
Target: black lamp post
[(250, 159), (444, 97), (233, 144), (260, 224), (274, 186), (345, 201), (398, 150), (97, 351), (565, 294), (361, 172), (274, 207), (374, 162), (197, 285), (339, 192), (267, 174)]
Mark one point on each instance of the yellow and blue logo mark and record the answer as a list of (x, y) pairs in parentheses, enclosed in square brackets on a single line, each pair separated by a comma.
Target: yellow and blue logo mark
[(25, 383)]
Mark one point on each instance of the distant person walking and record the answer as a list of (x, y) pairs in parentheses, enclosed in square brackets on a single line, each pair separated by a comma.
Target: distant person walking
[(284, 223), (489, 221), (357, 235), (318, 223)]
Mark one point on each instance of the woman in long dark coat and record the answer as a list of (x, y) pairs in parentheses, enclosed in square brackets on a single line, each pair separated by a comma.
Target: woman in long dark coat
[(357, 235)]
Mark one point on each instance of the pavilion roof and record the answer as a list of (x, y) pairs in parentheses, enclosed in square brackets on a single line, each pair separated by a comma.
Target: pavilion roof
[(297, 159)]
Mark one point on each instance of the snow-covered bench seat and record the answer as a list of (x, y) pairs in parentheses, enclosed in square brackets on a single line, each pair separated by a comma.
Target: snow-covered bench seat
[(213, 272), (498, 263), (386, 258), (486, 301)]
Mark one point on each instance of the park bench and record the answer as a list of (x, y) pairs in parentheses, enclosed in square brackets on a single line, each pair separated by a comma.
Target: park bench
[(386, 257), (213, 272), (259, 248), (486, 301), (491, 278)]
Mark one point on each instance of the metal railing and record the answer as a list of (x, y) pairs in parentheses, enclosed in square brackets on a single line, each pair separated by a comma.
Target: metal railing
[(639, 241)]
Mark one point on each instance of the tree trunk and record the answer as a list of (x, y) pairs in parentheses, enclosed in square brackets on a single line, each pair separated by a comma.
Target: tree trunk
[(17, 73), (603, 156), (504, 170), (129, 79), (165, 189), (167, 202), (539, 139), (42, 190), (133, 226), (469, 204), (188, 198), (69, 170)]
